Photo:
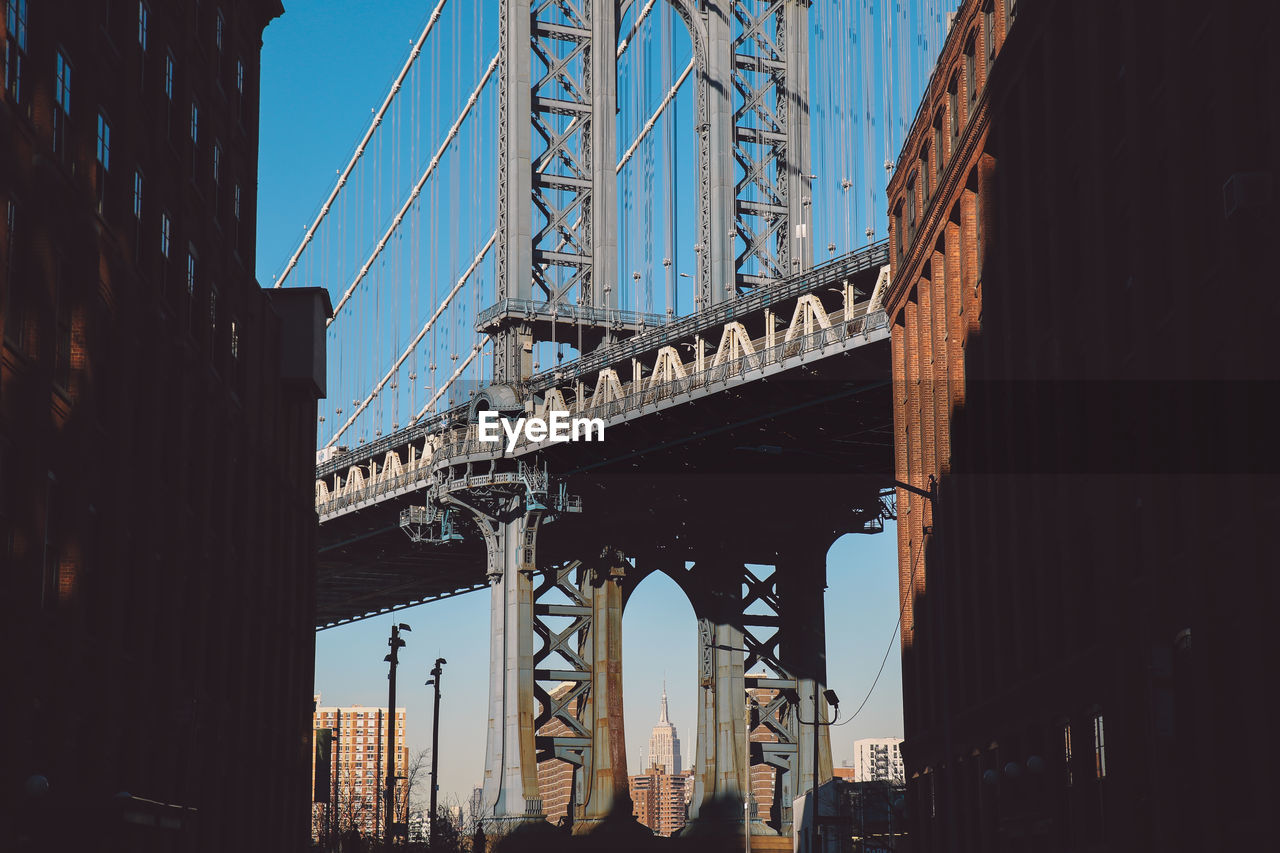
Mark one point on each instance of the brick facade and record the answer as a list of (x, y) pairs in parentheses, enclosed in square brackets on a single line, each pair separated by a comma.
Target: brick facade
[(157, 528), (1082, 299)]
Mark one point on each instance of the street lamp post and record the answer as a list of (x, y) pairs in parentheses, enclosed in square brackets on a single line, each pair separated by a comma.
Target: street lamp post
[(436, 672), (392, 658)]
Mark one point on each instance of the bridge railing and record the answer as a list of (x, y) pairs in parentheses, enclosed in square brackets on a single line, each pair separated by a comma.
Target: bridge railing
[(822, 275), (464, 442)]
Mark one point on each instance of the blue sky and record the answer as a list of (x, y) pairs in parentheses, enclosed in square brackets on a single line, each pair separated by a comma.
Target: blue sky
[(326, 66)]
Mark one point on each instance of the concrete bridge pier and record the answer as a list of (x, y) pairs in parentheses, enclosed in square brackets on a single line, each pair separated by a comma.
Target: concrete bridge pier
[(801, 583), (762, 660), (511, 769), (555, 675), (720, 769)]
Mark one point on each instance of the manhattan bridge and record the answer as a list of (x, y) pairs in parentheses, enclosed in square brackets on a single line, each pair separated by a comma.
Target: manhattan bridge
[(662, 214)]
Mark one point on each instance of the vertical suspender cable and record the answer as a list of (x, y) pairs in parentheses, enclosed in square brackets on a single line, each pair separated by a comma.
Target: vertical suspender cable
[(377, 119)]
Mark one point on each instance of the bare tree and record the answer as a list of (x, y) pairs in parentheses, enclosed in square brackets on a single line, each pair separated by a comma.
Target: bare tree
[(409, 796)]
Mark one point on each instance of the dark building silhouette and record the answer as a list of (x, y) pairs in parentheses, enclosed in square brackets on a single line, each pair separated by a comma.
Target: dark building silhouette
[(157, 413), (1084, 305)]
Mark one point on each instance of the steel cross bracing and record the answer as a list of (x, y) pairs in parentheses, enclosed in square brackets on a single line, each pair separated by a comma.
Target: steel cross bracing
[(557, 219)]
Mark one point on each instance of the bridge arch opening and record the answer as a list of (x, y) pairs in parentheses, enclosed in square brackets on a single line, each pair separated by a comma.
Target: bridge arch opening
[(863, 631), (660, 648)]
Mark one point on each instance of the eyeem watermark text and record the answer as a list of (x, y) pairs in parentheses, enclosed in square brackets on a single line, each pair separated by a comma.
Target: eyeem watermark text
[(559, 428)]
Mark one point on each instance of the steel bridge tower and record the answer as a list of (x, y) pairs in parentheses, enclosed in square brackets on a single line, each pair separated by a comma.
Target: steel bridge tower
[(557, 241)]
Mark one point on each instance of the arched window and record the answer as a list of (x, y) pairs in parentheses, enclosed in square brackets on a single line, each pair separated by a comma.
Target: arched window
[(924, 172), (988, 34), (971, 69), (911, 206), (938, 157), (953, 108), (897, 229)]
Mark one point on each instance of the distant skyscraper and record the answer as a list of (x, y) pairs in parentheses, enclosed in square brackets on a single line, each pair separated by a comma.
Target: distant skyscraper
[(878, 760), (664, 743)]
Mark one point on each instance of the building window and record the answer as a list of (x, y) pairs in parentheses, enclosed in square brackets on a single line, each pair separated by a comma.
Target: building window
[(989, 31), (137, 195), (168, 77), (235, 354), (143, 15), (924, 172), (13, 309), (191, 271), (217, 164), (971, 70), (218, 27), (195, 123), (897, 229), (953, 107), (1099, 747), (939, 159), (911, 206), (104, 142), (62, 103), (235, 205), (15, 46), (1066, 753), (104, 157), (240, 90), (165, 234)]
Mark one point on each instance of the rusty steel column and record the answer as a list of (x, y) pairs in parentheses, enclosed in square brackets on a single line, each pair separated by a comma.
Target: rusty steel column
[(605, 780), (511, 769), (720, 770)]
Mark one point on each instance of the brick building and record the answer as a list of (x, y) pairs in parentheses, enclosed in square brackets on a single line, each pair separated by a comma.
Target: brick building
[(357, 771), (157, 416), (1082, 304), (660, 800)]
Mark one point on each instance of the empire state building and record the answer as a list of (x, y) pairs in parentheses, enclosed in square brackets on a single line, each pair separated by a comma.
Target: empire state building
[(664, 745)]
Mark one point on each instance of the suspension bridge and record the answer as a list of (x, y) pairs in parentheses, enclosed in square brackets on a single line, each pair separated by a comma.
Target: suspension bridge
[(657, 214)]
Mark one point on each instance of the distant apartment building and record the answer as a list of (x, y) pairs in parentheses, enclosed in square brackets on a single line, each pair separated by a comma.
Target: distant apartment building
[(878, 760), (555, 777), (477, 804), (352, 798), (764, 778), (660, 800)]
